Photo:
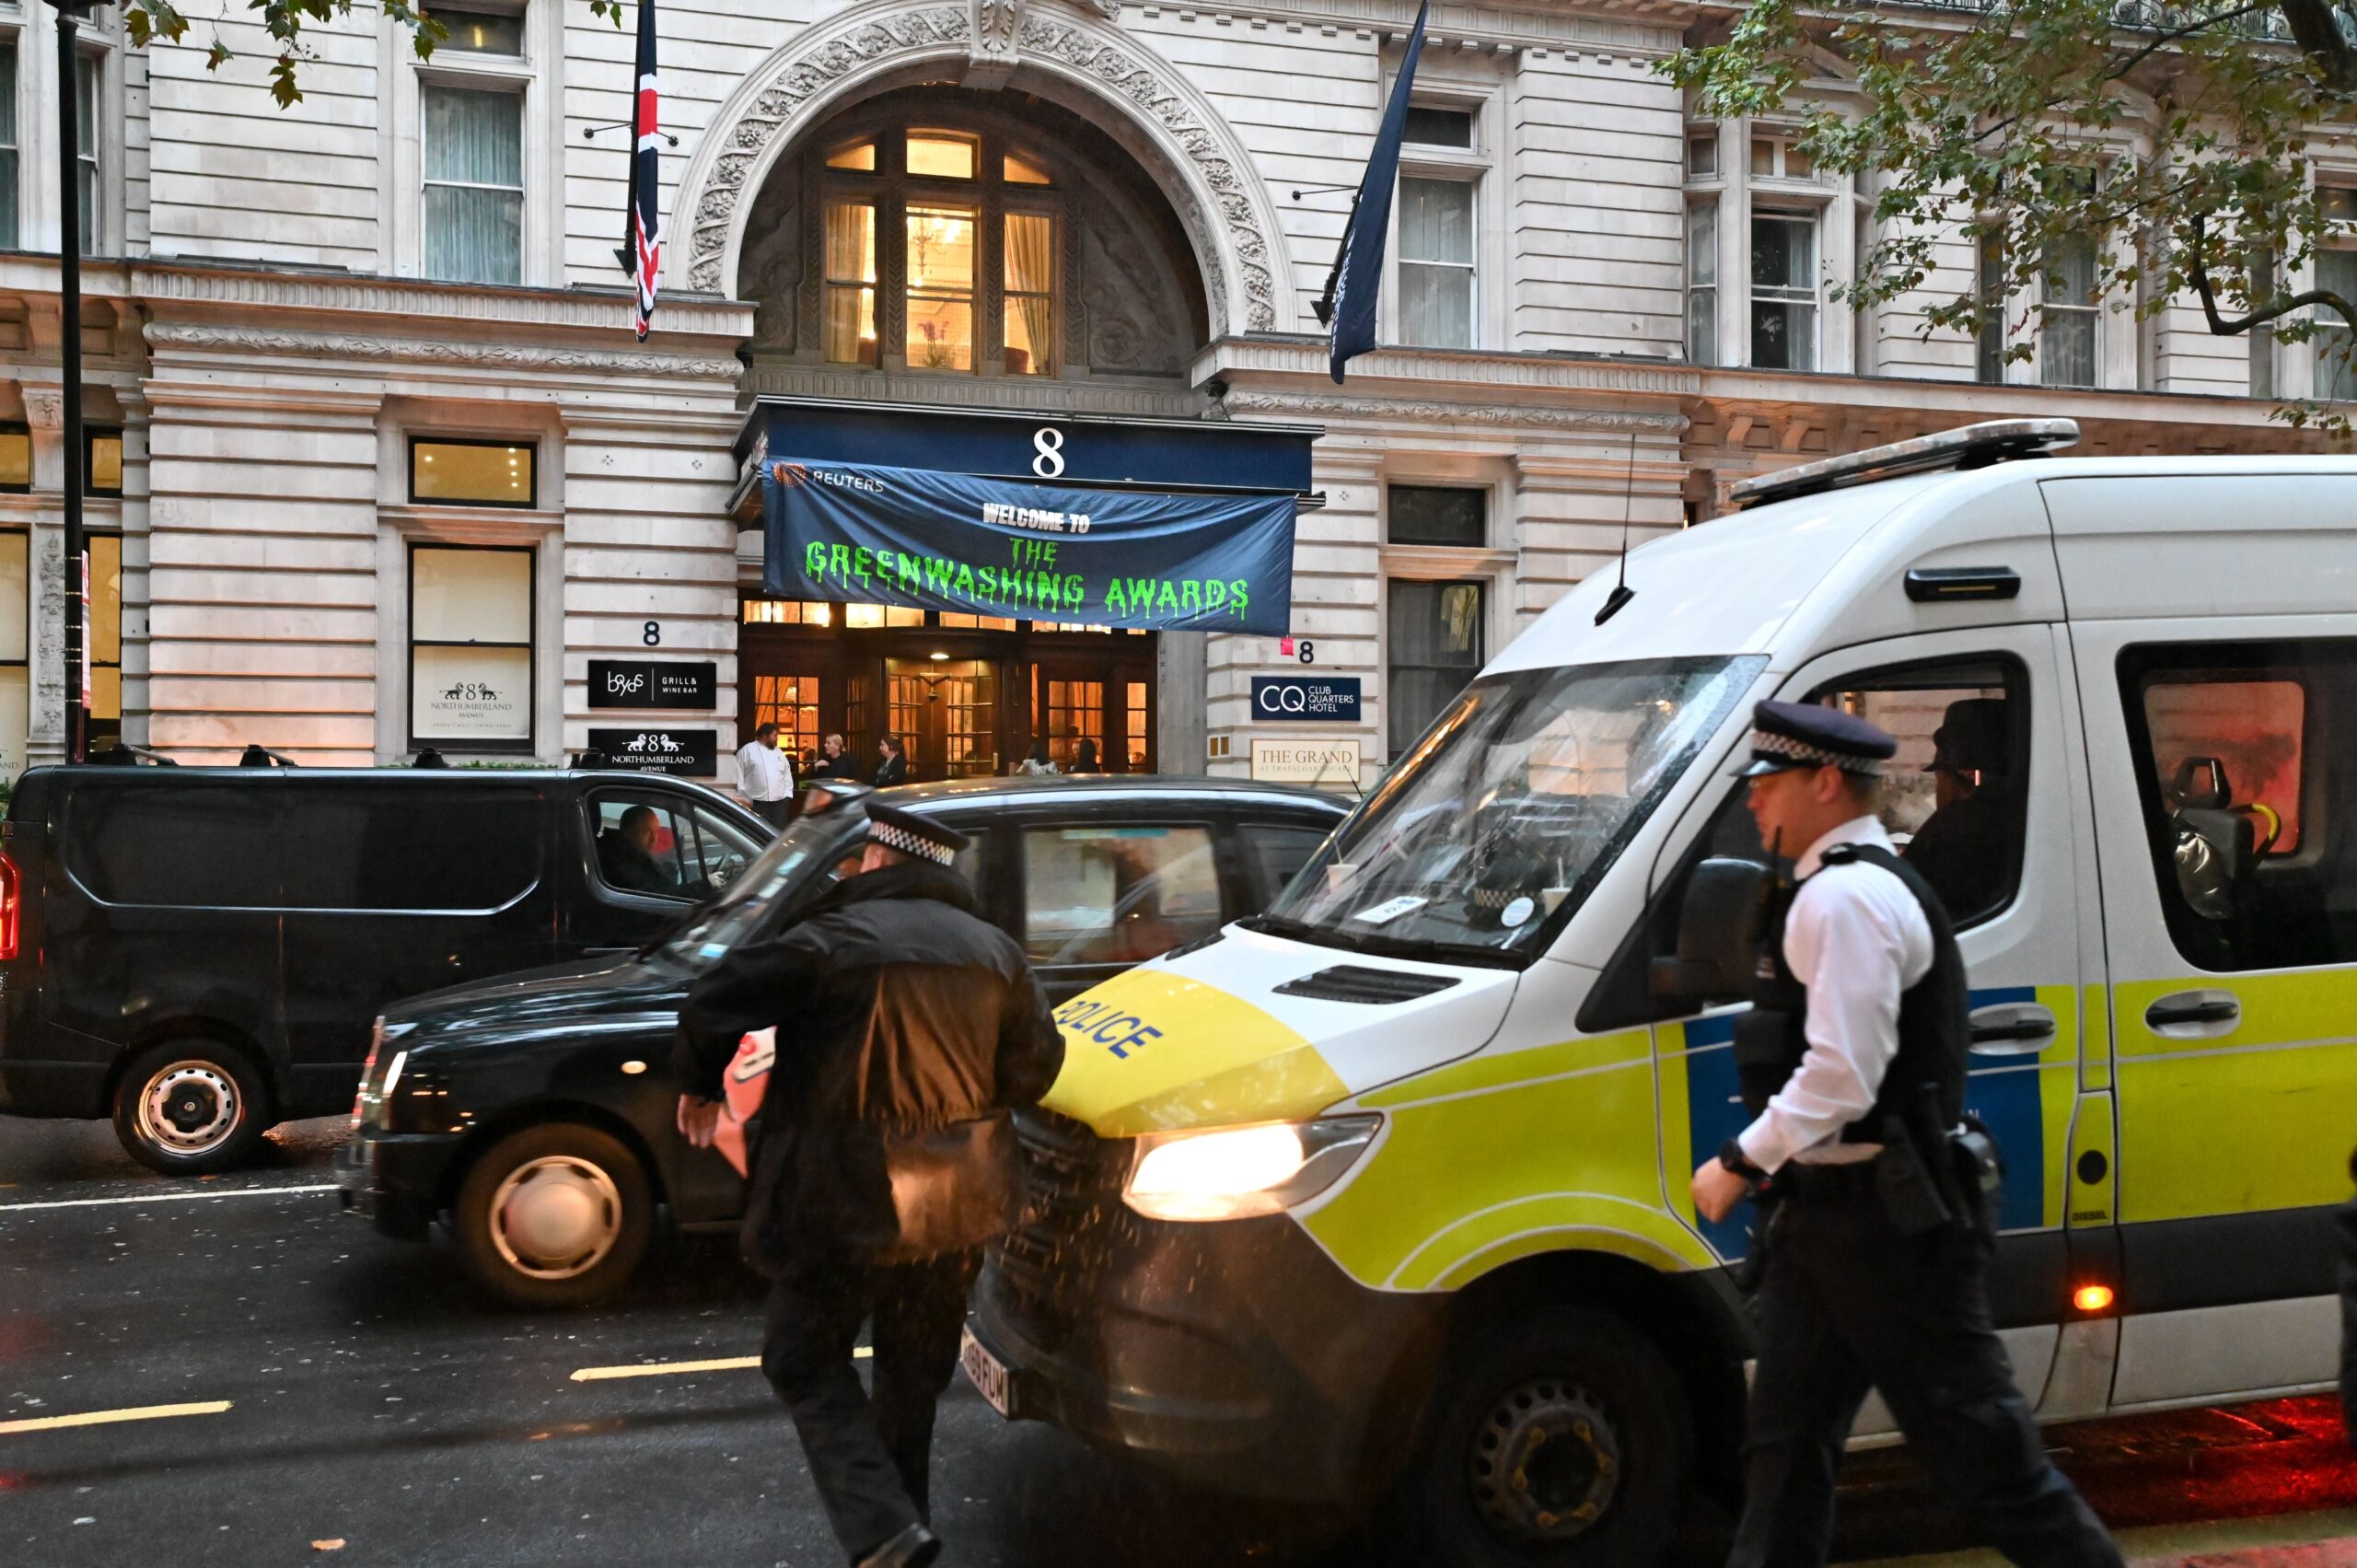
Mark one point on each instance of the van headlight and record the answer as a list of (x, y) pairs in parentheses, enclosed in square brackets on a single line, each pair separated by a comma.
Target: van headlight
[(1234, 1172)]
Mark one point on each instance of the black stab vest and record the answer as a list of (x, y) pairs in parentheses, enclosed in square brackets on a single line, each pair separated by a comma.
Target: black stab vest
[(1933, 1027)]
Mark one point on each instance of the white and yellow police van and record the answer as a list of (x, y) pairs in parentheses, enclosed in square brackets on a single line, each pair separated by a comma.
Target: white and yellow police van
[(1383, 1193)]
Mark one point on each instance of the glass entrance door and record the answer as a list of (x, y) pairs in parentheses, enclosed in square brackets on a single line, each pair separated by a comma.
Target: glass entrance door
[(946, 713)]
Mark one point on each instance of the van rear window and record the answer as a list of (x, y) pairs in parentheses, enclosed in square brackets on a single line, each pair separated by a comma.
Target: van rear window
[(180, 846), (386, 846)]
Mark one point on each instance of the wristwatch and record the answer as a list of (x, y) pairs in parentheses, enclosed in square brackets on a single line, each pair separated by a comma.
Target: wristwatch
[(1731, 1155)]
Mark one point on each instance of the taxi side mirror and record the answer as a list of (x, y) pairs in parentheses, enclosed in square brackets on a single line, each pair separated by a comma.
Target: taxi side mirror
[(1718, 935)]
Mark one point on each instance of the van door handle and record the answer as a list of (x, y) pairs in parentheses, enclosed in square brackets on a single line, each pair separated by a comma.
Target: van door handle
[(2194, 1015), (2011, 1028)]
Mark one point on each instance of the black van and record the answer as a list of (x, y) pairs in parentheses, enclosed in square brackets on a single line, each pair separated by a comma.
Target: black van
[(200, 952), (537, 1111)]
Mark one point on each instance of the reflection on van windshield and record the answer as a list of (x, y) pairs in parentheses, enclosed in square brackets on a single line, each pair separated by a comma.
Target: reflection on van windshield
[(1511, 808), (803, 851)]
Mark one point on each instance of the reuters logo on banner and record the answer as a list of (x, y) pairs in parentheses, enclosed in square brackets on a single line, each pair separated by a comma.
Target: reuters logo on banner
[(788, 475)]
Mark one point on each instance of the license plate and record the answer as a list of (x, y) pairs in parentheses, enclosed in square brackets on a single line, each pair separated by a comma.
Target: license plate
[(986, 1372)]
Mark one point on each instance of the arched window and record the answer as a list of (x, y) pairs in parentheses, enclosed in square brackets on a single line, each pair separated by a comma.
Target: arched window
[(942, 249)]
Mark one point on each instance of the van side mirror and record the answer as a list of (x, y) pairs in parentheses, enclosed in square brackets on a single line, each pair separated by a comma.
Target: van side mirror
[(1718, 935)]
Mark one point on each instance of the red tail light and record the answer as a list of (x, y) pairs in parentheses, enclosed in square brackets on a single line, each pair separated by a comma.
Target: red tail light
[(12, 884)]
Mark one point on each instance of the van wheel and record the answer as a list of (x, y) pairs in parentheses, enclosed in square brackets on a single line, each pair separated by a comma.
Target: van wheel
[(190, 1108), (556, 1215), (1560, 1441)]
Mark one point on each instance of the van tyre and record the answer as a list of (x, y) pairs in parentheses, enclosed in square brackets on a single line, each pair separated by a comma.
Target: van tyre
[(556, 1215), (1561, 1439), (191, 1108)]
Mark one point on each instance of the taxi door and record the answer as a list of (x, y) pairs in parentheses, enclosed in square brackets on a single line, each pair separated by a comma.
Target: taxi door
[(2226, 783), (1999, 828)]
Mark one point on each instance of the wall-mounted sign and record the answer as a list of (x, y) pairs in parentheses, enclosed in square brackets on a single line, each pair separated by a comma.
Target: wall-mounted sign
[(461, 693), (1305, 699), (1321, 765), (690, 754), (645, 683)]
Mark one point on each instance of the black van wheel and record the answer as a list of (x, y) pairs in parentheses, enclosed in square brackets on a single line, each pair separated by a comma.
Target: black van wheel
[(556, 1215), (190, 1108), (1562, 1440)]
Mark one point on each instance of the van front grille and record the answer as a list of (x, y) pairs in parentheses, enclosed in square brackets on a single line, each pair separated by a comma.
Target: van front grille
[(1369, 987), (1072, 1212)]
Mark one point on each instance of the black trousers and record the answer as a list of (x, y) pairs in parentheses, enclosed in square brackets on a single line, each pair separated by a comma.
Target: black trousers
[(776, 813), (870, 1454), (1846, 1304)]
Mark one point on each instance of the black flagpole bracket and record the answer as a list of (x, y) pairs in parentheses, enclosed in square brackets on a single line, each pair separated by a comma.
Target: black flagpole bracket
[(589, 132)]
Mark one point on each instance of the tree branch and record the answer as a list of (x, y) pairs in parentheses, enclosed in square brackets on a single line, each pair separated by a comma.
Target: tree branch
[(2198, 273), (2317, 31)]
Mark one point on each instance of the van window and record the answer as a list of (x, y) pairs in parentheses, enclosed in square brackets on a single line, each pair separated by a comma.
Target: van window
[(1116, 895), (1277, 850), (653, 841), (2244, 764), (1956, 799), (185, 846), (381, 846)]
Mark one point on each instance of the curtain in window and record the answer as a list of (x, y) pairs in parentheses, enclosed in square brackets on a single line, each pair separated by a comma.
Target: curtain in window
[(2336, 269), (2067, 349), (474, 185), (85, 148), (1436, 263), (7, 146), (850, 282), (1702, 282), (1031, 283)]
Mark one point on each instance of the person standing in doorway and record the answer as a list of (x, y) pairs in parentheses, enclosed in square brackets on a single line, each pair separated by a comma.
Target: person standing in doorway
[(831, 763), (1083, 758), (893, 765), (766, 776), (1874, 1258), (887, 1161)]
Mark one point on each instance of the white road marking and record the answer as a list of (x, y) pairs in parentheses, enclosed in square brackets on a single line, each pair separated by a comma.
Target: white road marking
[(671, 1368), (108, 1418), (168, 1197)]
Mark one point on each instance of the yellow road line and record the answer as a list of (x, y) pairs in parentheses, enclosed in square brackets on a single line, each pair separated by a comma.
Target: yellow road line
[(107, 1418), (676, 1368)]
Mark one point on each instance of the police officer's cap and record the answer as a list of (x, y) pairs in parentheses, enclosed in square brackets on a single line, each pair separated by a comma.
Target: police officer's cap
[(1802, 734), (895, 827)]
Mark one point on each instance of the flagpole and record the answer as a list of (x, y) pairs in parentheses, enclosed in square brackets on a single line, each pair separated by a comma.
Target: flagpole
[(1324, 308)]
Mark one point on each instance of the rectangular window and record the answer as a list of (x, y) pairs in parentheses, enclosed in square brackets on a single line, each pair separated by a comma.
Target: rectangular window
[(2336, 269), (480, 32), (105, 632), (1439, 127), (1783, 291), (1116, 895), (15, 459), (472, 473), (8, 196), (1425, 514), (1990, 351), (2067, 320), (470, 646), (1775, 158), (101, 462), (174, 846), (87, 79), (1436, 263), (474, 184), (353, 845), (2262, 285), (1702, 282), (654, 843), (1134, 712), (1030, 294), (1435, 635), (791, 702), (850, 282), (16, 684), (1075, 712), (941, 287), (2237, 764), (1702, 157), (943, 155)]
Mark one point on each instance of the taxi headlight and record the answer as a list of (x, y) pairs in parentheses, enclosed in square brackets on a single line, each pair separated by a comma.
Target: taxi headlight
[(1234, 1172)]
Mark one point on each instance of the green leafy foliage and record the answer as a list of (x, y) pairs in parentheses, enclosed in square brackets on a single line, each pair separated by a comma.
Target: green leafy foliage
[(2173, 140)]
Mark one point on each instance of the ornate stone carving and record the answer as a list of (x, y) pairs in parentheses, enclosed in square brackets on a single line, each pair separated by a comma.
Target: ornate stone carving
[(1129, 324), (423, 351), (808, 73), (773, 277), (44, 408), (991, 52), (1433, 411)]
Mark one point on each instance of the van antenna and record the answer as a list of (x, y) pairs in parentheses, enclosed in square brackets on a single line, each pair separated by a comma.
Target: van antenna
[(1617, 599)]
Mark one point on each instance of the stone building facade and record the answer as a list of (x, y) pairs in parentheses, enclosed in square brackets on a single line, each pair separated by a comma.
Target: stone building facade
[(1600, 313)]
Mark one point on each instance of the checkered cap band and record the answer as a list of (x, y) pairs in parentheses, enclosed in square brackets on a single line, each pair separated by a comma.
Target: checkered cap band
[(1783, 748), (892, 836)]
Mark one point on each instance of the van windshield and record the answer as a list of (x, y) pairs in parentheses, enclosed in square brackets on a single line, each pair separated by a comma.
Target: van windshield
[(1481, 845), (804, 854)]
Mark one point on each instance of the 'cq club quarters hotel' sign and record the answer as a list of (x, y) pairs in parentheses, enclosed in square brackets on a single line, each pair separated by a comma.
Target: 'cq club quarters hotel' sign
[(646, 683)]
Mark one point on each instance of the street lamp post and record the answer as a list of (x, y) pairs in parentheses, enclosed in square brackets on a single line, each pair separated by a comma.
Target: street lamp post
[(69, 290)]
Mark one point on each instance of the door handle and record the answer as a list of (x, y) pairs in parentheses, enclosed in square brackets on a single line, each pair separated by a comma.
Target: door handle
[(2011, 1028), (2194, 1015)]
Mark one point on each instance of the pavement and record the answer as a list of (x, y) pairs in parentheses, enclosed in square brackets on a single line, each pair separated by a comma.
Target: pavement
[(302, 1388)]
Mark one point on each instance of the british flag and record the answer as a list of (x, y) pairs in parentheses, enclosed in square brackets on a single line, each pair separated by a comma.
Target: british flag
[(642, 249)]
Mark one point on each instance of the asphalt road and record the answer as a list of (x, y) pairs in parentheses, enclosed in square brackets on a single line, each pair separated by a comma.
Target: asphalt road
[(373, 1398)]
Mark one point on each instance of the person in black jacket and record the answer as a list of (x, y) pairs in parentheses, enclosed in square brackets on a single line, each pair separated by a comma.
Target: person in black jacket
[(893, 767), (909, 1027)]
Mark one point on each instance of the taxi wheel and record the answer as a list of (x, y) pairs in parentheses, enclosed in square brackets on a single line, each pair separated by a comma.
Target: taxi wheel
[(556, 1215), (1562, 1440), (190, 1108)]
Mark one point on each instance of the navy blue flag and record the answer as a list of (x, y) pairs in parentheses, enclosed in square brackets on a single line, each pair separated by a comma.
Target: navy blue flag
[(1358, 275), (926, 540), (642, 247)]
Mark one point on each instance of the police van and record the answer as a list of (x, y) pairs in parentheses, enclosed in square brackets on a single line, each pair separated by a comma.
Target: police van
[(1382, 1196)]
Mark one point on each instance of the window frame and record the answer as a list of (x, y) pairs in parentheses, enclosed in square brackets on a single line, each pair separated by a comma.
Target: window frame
[(89, 645), (470, 745), (1390, 536), (2091, 312), (1810, 222), (1025, 829), (91, 102), (24, 535), (1486, 584), (12, 208), (18, 427), (91, 435), (1473, 165), (532, 448), (501, 79)]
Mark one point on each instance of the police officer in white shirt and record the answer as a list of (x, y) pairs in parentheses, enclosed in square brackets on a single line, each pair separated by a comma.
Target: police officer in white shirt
[(766, 776), (1854, 1061)]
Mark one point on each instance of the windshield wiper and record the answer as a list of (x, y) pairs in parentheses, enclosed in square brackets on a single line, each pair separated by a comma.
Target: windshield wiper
[(1374, 945)]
